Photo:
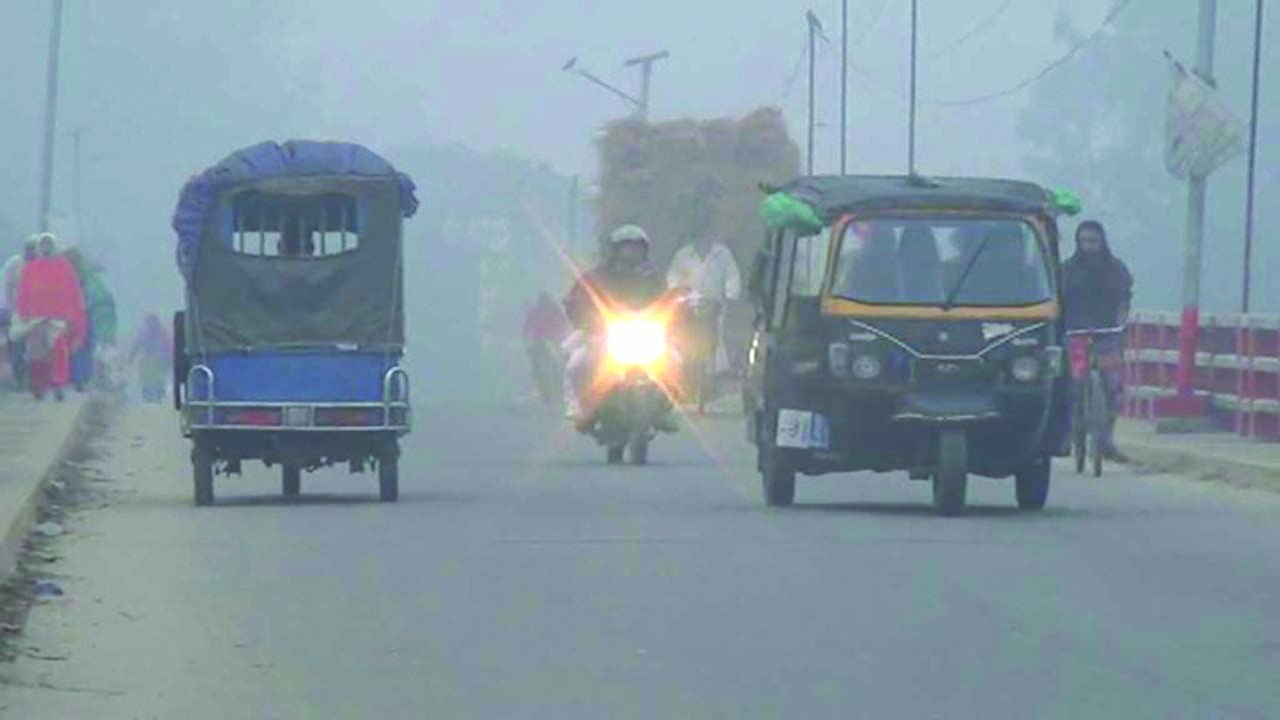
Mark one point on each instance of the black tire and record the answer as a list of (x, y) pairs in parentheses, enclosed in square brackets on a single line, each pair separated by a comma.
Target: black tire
[(291, 480), (777, 477), (613, 454), (1032, 484), (1079, 434), (179, 357), (639, 450), (202, 470), (951, 480), (1098, 412), (389, 473)]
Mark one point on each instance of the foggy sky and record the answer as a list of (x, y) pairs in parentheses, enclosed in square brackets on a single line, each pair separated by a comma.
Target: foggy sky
[(164, 90)]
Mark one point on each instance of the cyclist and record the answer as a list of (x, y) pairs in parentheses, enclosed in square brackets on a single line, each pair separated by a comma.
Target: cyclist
[(1098, 290)]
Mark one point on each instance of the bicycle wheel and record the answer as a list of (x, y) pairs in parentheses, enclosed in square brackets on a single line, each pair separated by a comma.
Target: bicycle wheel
[(1097, 420), (1079, 431)]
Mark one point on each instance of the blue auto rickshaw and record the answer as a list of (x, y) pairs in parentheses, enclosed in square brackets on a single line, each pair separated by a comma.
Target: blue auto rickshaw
[(289, 348)]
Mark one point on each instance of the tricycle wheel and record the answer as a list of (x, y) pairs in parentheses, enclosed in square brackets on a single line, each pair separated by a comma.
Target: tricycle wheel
[(202, 469), (777, 477), (1032, 484), (389, 473), (613, 454), (292, 480), (951, 479)]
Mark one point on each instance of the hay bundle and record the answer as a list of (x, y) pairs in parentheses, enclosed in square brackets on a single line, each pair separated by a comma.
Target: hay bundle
[(653, 175)]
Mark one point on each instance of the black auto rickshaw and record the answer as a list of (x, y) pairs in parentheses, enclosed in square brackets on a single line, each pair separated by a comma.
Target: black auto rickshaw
[(289, 348), (909, 324)]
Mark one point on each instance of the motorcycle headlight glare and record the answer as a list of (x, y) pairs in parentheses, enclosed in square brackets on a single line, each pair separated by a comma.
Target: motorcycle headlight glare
[(1025, 368), (637, 342), (867, 367)]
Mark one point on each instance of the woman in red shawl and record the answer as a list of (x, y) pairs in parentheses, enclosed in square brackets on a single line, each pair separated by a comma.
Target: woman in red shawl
[(51, 303)]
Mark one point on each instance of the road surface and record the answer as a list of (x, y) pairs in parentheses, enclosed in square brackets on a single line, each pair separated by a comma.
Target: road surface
[(518, 577)]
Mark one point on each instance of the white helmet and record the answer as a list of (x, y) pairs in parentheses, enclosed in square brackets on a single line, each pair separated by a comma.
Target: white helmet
[(627, 234)]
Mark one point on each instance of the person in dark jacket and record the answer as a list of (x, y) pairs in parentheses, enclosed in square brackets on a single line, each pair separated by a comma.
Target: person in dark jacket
[(1097, 291), (626, 280)]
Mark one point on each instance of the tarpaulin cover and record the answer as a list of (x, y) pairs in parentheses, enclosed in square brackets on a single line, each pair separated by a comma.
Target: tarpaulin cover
[(270, 160)]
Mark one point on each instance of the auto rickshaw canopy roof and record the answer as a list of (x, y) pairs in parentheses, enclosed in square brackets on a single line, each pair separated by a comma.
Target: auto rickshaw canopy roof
[(821, 198), (271, 160)]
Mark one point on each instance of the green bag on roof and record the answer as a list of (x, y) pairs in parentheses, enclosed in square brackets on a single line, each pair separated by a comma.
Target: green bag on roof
[(781, 210), (1066, 202)]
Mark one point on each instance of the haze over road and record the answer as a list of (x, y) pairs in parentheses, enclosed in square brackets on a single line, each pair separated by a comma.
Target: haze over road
[(520, 577)]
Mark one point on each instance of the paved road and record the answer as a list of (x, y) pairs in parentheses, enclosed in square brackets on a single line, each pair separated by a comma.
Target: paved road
[(520, 578)]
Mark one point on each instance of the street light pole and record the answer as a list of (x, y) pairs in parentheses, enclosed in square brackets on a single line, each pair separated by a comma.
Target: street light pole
[(1253, 157), (844, 86), (646, 77), (911, 117), (76, 137), (815, 30), (50, 116), (1195, 225)]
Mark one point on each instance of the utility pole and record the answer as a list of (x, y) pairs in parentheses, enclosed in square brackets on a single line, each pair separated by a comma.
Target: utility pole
[(76, 137), (646, 77), (815, 31), (572, 220), (50, 116), (1195, 228), (911, 117), (1253, 157), (844, 86)]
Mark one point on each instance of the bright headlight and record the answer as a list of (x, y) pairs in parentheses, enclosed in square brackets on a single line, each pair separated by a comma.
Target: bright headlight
[(866, 367), (636, 341), (1025, 368)]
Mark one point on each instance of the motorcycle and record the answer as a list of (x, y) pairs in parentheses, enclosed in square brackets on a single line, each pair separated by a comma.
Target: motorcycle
[(634, 406)]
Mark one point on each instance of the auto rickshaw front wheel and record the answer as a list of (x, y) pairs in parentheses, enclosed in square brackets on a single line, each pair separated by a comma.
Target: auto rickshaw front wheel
[(951, 479), (389, 472), (1032, 484), (777, 476)]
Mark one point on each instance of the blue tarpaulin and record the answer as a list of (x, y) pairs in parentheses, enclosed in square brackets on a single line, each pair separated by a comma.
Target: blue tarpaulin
[(269, 160)]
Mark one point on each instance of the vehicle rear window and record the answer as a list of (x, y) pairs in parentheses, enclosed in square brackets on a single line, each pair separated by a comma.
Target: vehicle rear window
[(294, 226)]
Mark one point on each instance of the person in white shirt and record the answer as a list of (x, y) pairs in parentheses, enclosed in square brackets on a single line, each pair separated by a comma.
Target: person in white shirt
[(708, 270)]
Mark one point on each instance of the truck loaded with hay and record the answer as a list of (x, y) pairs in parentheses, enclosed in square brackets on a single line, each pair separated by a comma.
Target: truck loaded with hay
[(656, 175)]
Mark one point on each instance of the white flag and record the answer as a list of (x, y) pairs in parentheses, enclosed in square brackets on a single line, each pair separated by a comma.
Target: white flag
[(1201, 132)]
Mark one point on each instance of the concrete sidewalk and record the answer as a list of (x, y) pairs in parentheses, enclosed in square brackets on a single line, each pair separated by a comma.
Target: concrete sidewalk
[(1217, 456), (34, 438)]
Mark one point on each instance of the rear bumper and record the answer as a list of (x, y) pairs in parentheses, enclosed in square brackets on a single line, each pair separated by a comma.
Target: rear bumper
[(207, 413)]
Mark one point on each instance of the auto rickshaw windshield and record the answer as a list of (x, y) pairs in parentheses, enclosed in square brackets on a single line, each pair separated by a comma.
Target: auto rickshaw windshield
[(942, 261)]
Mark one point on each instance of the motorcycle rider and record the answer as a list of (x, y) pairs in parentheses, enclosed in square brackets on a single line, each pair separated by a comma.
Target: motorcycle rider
[(625, 279)]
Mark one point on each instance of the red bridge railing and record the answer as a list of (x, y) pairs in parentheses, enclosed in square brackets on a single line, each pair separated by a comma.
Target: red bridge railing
[(1237, 369)]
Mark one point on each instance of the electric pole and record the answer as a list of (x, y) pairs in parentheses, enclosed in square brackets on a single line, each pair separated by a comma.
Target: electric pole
[(1253, 157), (50, 116), (646, 77), (1195, 225), (815, 31), (844, 87), (911, 117)]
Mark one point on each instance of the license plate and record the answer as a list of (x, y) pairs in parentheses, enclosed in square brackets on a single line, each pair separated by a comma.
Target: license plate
[(803, 429), (297, 417)]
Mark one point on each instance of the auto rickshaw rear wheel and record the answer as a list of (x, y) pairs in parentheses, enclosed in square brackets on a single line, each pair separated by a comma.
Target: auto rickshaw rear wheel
[(202, 470), (777, 476), (291, 482), (1032, 484), (389, 472), (951, 479)]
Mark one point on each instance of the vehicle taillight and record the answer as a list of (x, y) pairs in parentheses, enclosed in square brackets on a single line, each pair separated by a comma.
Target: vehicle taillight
[(347, 417), (253, 417)]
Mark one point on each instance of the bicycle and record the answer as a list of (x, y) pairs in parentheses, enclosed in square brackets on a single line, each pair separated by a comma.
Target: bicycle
[(1091, 402)]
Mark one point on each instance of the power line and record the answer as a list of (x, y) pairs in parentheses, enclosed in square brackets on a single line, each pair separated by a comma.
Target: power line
[(1044, 71), (977, 29)]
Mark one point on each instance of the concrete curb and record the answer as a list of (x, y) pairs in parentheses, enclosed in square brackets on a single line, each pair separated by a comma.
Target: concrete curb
[(1210, 466), (16, 521)]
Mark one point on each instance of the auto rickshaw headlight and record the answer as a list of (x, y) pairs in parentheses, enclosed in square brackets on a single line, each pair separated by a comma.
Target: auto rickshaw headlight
[(867, 367), (838, 359), (1025, 368)]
